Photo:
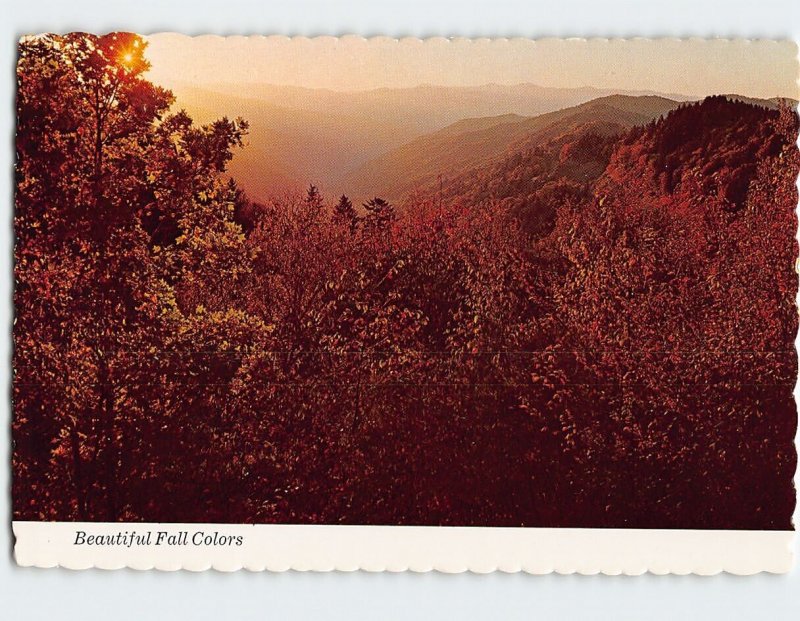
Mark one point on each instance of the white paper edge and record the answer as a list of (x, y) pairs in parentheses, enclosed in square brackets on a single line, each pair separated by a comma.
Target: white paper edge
[(274, 547)]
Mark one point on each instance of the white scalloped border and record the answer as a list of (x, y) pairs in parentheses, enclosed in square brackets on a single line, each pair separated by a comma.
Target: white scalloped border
[(275, 547), (344, 38)]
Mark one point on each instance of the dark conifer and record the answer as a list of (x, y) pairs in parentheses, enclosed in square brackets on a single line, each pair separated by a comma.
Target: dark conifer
[(345, 214)]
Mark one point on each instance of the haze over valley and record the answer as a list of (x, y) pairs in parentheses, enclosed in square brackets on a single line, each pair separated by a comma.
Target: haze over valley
[(386, 142)]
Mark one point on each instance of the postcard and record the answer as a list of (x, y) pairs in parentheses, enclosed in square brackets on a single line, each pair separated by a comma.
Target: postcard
[(400, 304)]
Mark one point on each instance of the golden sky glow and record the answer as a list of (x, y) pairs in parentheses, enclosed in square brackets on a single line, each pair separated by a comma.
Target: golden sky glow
[(690, 67)]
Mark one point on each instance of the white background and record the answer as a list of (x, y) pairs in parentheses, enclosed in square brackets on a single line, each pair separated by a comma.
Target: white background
[(128, 595)]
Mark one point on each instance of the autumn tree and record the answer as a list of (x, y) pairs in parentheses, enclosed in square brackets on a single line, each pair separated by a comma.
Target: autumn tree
[(594, 330), (102, 168)]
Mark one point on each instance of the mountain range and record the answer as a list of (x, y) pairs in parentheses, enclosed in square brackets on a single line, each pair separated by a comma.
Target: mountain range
[(472, 142), (392, 142), (387, 141)]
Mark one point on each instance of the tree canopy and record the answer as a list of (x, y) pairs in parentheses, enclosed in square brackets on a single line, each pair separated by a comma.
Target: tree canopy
[(594, 331)]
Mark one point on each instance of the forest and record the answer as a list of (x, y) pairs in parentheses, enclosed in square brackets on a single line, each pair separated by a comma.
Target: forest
[(593, 327)]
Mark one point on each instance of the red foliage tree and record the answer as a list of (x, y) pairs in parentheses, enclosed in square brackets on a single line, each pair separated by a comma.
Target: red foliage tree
[(596, 331)]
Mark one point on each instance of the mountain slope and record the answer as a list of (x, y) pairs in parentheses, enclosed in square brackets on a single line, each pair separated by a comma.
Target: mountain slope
[(300, 136), (421, 109), (711, 149), (288, 148), (468, 143)]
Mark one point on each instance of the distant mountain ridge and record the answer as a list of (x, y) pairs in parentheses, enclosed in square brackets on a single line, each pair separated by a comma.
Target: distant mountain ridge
[(300, 136), (426, 107), (389, 142), (471, 142)]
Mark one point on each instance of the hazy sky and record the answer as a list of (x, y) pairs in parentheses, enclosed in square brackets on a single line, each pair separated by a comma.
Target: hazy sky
[(690, 67)]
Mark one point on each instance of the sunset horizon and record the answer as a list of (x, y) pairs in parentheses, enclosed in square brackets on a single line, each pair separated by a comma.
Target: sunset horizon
[(699, 68)]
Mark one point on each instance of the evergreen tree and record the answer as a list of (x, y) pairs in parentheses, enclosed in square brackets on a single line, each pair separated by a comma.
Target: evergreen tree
[(314, 198), (345, 214), (380, 214)]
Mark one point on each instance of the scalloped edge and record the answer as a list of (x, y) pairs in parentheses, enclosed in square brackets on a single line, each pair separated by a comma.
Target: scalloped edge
[(321, 548)]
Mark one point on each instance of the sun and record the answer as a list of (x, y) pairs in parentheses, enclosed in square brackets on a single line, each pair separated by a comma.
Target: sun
[(127, 58)]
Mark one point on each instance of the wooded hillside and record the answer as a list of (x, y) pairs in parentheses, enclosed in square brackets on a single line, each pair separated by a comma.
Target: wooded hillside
[(594, 330)]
